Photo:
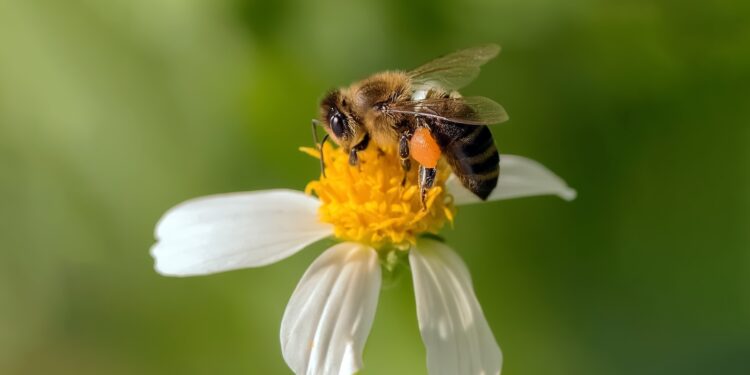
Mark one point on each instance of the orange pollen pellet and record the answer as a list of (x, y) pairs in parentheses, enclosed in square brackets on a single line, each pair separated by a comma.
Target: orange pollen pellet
[(424, 149)]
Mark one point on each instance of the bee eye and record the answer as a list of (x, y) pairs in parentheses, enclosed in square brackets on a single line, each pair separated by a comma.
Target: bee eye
[(338, 124)]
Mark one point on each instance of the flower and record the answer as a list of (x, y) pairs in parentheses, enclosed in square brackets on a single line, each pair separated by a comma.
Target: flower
[(370, 205), (375, 216)]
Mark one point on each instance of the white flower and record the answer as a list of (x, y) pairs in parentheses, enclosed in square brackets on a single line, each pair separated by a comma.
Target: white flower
[(330, 313)]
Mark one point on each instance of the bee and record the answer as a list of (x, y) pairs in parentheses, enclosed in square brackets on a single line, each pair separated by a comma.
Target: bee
[(422, 115)]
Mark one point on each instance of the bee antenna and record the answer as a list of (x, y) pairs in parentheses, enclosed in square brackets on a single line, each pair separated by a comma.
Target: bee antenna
[(319, 145), (315, 131), (322, 161)]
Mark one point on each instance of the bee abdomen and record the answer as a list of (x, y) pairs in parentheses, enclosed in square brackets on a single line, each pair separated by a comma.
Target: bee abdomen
[(474, 158)]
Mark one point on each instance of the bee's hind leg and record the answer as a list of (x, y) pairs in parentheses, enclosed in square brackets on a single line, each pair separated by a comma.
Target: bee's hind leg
[(426, 180)]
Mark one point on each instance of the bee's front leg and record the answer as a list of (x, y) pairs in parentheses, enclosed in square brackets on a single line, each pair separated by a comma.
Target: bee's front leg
[(353, 157), (403, 153), (426, 180)]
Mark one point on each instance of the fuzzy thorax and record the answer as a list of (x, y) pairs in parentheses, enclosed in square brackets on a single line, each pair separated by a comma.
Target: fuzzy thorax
[(368, 204)]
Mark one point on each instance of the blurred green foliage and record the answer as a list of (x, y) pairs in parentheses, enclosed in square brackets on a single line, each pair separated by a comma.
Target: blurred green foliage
[(111, 112)]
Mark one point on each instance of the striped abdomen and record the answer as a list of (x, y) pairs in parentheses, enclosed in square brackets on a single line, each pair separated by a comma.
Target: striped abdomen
[(471, 153)]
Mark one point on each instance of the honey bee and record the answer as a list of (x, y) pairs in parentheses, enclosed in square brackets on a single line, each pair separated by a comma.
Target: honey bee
[(421, 113)]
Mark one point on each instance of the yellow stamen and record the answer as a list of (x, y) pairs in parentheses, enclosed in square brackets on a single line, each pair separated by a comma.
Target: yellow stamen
[(368, 204)]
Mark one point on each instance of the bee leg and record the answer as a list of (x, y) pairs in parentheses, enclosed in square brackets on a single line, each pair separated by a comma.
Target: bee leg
[(426, 180), (353, 157), (403, 153), (406, 166)]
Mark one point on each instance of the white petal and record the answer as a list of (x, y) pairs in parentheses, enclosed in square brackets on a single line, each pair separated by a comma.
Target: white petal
[(229, 231), (330, 314), (519, 177), (454, 330)]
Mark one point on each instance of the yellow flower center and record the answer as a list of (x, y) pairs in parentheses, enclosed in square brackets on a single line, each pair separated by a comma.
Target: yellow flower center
[(367, 203)]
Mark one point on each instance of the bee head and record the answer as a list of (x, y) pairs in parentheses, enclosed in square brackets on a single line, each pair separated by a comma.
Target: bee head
[(336, 115)]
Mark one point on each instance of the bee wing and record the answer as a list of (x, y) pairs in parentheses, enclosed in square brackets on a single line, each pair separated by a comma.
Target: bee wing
[(453, 71), (473, 110)]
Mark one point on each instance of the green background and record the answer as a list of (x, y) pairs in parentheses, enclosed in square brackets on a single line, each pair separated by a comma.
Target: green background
[(113, 111)]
